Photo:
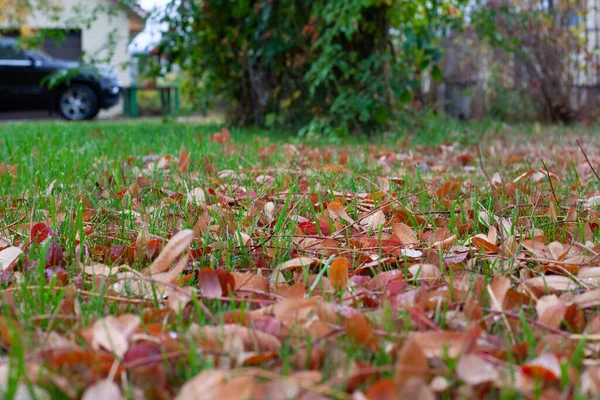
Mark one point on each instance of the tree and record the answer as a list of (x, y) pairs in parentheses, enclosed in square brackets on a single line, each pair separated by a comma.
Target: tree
[(326, 65)]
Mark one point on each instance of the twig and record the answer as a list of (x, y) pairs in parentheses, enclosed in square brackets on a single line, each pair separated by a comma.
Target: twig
[(14, 223), (588, 160), (550, 180)]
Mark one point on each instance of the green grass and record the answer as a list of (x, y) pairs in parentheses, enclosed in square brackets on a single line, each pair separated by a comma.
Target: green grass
[(75, 178)]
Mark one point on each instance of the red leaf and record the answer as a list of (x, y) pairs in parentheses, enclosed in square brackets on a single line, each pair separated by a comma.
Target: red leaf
[(545, 367), (54, 255), (40, 232)]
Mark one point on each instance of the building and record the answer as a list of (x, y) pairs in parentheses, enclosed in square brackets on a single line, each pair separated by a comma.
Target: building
[(95, 30)]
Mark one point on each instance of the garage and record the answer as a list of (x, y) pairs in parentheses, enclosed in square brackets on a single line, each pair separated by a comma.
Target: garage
[(64, 45)]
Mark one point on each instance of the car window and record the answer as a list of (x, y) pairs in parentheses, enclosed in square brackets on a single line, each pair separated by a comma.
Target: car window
[(10, 52)]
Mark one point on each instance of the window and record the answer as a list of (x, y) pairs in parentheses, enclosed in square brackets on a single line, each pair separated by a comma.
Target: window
[(8, 51)]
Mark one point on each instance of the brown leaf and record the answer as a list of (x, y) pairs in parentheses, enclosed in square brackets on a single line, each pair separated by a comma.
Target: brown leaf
[(551, 282), (113, 334), (411, 362), (196, 197), (338, 273), (374, 221), (405, 233), (550, 310), (184, 160), (177, 245), (336, 210), (295, 263), (439, 343), (416, 388), (102, 390), (473, 370), (425, 271), (252, 340), (483, 244), (497, 291), (383, 389), (250, 281), (203, 386), (209, 284), (359, 330)]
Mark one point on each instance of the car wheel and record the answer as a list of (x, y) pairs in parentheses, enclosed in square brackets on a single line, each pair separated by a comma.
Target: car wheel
[(78, 102)]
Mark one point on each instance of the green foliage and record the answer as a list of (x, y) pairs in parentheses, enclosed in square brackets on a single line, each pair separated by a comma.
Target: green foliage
[(325, 65)]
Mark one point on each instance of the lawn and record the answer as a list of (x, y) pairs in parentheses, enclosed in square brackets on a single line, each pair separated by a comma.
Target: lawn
[(161, 260)]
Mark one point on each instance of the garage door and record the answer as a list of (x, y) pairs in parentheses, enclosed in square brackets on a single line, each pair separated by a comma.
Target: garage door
[(67, 47)]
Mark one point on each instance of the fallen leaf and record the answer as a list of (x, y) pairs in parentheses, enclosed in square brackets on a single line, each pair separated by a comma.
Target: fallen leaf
[(338, 273), (209, 284), (405, 233), (473, 370), (545, 367), (196, 197), (336, 210), (102, 390), (113, 333), (174, 248), (8, 257), (411, 362), (295, 263), (203, 386), (253, 340), (497, 291), (550, 310)]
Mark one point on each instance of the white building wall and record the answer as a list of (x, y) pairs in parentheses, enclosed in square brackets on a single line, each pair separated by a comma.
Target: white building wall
[(97, 24)]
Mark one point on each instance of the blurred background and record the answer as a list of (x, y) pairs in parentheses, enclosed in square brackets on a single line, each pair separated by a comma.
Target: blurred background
[(334, 67)]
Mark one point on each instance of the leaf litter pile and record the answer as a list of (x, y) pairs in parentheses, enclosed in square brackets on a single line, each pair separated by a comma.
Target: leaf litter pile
[(306, 273)]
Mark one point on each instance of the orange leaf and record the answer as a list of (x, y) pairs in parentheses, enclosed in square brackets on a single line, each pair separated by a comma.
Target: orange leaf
[(483, 244), (359, 330), (338, 273), (336, 210), (383, 389)]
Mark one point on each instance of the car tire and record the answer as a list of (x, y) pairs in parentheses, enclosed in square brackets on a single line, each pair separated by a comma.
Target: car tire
[(78, 102)]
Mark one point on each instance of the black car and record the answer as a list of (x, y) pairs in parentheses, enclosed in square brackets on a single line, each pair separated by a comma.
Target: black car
[(32, 80)]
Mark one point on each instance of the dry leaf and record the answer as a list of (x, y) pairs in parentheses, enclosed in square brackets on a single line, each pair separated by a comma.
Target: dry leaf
[(102, 390), (411, 362), (336, 210), (497, 291), (474, 370), (545, 367), (174, 248), (550, 310), (8, 257), (203, 386), (113, 334), (338, 273), (405, 233)]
